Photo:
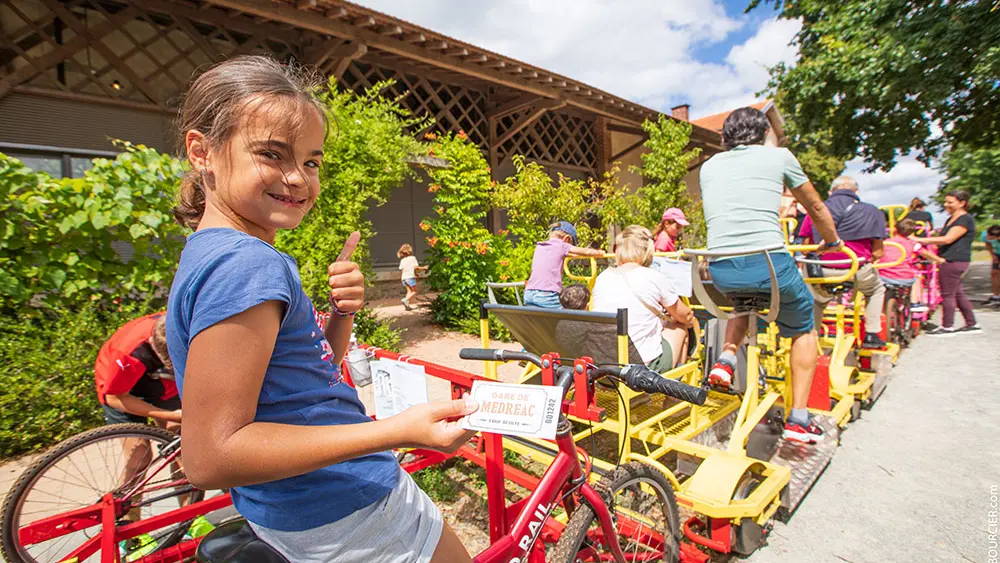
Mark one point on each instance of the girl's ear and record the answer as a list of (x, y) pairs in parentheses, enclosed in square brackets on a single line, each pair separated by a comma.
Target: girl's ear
[(196, 145)]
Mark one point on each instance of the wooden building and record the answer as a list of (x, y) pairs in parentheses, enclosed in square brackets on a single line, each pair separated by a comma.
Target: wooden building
[(76, 73)]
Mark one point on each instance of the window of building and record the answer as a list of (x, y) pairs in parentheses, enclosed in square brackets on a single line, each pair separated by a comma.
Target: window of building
[(55, 161)]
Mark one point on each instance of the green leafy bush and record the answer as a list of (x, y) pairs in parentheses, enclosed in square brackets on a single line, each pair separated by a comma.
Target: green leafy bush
[(61, 239), (463, 254), (664, 168), (365, 157), (47, 383), (533, 201)]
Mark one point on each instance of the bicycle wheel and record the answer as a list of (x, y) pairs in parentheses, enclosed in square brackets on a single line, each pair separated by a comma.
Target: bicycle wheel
[(642, 505), (78, 472)]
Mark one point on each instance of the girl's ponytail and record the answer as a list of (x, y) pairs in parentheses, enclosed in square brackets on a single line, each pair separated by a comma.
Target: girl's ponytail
[(190, 200)]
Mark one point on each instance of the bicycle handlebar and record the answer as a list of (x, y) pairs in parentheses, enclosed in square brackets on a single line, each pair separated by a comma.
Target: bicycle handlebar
[(637, 377), (902, 256), (848, 273), (731, 253)]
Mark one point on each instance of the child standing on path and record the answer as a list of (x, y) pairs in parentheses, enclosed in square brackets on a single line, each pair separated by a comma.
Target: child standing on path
[(409, 266), (267, 413), (545, 284)]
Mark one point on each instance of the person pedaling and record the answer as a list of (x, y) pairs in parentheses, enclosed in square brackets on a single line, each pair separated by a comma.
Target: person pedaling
[(862, 227), (133, 375), (746, 182)]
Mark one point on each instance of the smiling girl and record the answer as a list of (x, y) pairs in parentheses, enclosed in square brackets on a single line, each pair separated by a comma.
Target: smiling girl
[(266, 411)]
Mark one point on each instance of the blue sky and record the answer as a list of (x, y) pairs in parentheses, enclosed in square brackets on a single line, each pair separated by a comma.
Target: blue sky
[(706, 53)]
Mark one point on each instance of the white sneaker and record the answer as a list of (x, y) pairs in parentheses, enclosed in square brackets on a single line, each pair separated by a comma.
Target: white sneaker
[(942, 331)]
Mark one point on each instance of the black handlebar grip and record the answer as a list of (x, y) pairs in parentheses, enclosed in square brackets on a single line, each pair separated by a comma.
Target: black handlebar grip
[(482, 354), (644, 379)]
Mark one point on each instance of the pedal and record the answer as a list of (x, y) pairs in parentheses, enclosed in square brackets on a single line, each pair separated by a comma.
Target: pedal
[(806, 462)]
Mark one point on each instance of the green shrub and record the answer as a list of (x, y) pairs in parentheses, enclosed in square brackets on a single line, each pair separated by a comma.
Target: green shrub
[(47, 389), (463, 255), (58, 237), (376, 332)]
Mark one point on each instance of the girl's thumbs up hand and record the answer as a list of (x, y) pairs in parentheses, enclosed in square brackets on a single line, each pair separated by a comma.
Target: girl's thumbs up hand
[(347, 283)]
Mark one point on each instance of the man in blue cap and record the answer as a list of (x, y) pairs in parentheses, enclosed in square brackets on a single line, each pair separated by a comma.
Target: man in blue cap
[(545, 284)]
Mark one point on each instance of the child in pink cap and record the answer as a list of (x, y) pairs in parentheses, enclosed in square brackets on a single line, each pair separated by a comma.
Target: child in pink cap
[(670, 227)]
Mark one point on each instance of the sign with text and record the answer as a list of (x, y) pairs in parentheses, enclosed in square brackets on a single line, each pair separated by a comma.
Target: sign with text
[(531, 411), (397, 386)]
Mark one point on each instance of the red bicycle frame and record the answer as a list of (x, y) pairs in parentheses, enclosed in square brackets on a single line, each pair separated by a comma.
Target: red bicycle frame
[(518, 541), (514, 530)]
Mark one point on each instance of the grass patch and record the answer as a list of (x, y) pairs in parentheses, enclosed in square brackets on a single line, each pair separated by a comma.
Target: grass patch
[(436, 482)]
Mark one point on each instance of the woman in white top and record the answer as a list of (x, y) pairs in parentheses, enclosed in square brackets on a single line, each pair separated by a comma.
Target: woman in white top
[(658, 321)]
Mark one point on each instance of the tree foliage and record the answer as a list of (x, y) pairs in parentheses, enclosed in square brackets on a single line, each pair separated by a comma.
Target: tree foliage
[(976, 171), (71, 240), (883, 76), (463, 254), (366, 156), (664, 168)]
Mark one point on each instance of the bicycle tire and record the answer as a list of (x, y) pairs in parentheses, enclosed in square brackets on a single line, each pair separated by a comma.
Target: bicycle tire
[(570, 547), (13, 503)]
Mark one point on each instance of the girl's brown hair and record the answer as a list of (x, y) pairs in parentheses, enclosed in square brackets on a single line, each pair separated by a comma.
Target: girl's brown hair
[(405, 250), (906, 227), (217, 102), (159, 342), (917, 203)]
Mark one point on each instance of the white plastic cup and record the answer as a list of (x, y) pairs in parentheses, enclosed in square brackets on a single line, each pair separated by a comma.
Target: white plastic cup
[(359, 362)]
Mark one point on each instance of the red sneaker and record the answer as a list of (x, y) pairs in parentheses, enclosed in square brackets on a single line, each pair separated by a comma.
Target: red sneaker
[(809, 434), (721, 375)]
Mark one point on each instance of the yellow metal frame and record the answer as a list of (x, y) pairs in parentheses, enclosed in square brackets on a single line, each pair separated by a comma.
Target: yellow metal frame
[(893, 218), (672, 430), (788, 226)]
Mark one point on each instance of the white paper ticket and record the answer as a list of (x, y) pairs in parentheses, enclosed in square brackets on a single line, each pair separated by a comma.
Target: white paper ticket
[(531, 411)]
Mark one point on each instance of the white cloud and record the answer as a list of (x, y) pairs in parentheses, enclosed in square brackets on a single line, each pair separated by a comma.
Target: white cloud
[(642, 50), (909, 179)]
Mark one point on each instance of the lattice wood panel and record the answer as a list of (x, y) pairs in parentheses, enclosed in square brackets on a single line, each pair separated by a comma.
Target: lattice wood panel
[(554, 137), (132, 52), (454, 108)]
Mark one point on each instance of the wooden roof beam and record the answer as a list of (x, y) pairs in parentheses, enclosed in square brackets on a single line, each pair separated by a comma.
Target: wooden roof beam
[(80, 29), (305, 4), (347, 53), (390, 30), (513, 105), (457, 52), (364, 21), (477, 58), (288, 14), (414, 38), (335, 13)]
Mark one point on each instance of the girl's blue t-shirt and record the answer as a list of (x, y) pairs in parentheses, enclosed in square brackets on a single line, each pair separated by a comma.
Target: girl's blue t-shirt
[(224, 272)]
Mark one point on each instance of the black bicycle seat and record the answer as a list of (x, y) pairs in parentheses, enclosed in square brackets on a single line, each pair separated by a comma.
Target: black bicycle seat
[(235, 542), (750, 301)]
